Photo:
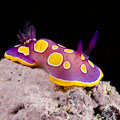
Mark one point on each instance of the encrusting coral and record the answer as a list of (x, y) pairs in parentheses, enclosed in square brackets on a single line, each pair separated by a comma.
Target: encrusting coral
[(26, 93)]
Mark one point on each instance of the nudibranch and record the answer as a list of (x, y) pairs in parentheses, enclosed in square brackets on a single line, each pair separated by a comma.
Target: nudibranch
[(66, 67)]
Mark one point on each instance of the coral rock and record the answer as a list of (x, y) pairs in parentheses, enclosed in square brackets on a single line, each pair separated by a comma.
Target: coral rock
[(27, 94)]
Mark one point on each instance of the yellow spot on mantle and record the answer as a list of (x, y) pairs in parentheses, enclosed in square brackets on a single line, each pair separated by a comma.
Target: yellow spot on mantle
[(82, 57), (54, 47), (55, 59), (91, 63), (40, 46), (68, 50), (83, 68), (24, 50), (27, 41), (66, 64)]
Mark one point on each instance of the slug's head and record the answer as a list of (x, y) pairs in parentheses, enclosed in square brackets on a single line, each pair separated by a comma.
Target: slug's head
[(79, 69)]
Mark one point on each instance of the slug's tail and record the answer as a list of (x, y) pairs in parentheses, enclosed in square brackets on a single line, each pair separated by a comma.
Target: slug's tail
[(21, 53), (29, 33)]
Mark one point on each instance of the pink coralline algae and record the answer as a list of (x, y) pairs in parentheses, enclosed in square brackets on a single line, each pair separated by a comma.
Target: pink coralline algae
[(27, 94)]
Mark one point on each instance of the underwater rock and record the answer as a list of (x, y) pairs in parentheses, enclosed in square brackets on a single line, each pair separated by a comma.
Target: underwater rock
[(27, 94)]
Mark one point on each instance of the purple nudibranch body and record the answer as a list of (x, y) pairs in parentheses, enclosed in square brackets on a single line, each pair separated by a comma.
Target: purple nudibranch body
[(66, 67)]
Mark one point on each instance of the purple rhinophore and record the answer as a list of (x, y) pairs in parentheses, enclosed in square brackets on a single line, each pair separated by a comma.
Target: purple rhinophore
[(92, 43), (80, 48), (93, 40)]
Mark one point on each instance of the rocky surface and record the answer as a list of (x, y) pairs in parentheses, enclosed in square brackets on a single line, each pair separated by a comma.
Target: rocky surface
[(27, 94)]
